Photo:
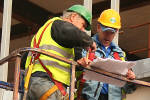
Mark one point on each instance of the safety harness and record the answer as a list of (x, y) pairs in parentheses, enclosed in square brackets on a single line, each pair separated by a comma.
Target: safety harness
[(58, 85)]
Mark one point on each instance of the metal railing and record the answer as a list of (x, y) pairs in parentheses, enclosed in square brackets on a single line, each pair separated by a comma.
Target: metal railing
[(17, 54)]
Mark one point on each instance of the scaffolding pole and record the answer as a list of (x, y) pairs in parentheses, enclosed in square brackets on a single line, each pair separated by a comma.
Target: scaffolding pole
[(115, 4), (5, 40), (88, 5), (149, 42)]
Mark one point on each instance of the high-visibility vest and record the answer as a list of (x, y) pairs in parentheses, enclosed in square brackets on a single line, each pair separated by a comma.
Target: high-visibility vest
[(60, 70)]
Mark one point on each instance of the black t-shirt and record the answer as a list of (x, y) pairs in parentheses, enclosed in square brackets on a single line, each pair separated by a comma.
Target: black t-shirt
[(69, 36)]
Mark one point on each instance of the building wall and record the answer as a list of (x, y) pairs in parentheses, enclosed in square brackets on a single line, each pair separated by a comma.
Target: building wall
[(135, 38)]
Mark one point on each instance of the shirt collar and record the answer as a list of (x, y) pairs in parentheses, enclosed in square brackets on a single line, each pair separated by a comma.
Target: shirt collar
[(96, 39), (113, 46)]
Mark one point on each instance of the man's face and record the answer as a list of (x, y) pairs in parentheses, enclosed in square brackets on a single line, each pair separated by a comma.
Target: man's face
[(105, 37), (78, 21)]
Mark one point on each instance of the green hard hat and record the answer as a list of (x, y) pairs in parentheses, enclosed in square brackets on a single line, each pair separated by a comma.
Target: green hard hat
[(83, 12)]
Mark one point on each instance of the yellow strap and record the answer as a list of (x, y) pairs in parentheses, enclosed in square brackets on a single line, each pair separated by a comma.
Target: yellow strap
[(67, 97), (27, 79), (122, 58), (124, 55), (123, 95), (49, 92)]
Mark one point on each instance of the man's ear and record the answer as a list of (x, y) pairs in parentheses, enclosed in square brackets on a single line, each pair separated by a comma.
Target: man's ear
[(98, 27), (72, 17)]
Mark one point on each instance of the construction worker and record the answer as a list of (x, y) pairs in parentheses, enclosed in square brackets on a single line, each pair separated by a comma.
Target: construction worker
[(107, 27), (59, 35)]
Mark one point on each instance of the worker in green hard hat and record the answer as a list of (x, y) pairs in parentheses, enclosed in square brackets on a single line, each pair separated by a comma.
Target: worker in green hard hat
[(59, 35), (84, 13)]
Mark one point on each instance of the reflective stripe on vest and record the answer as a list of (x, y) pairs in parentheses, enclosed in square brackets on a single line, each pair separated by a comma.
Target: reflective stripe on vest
[(52, 47), (54, 64)]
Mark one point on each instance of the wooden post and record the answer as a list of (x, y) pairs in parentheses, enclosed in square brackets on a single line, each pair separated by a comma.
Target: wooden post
[(72, 88), (149, 42), (16, 77)]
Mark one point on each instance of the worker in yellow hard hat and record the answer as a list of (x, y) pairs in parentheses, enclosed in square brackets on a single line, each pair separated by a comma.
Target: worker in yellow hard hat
[(110, 18), (59, 35), (108, 26)]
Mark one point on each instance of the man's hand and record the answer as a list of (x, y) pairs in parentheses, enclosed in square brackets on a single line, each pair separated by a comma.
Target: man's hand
[(93, 47), (130, 74), (84, 62)]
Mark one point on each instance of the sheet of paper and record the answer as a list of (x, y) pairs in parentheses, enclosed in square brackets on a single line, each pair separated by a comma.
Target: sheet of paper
[(110, 65), (89, 75)]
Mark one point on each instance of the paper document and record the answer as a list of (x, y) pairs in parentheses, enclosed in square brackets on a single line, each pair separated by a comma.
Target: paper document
[(109, 65)]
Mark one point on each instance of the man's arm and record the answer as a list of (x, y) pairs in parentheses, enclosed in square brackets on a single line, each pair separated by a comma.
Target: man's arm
[(69, 36)]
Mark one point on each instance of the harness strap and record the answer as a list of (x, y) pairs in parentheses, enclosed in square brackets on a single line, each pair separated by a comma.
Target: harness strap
[(37, 45), (81, 85), (58, 84), (82, 81), (116, 56), (49, 92), (27, 79)]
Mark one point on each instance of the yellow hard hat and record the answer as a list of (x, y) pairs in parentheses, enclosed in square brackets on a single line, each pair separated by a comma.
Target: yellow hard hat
[(110, 18)]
